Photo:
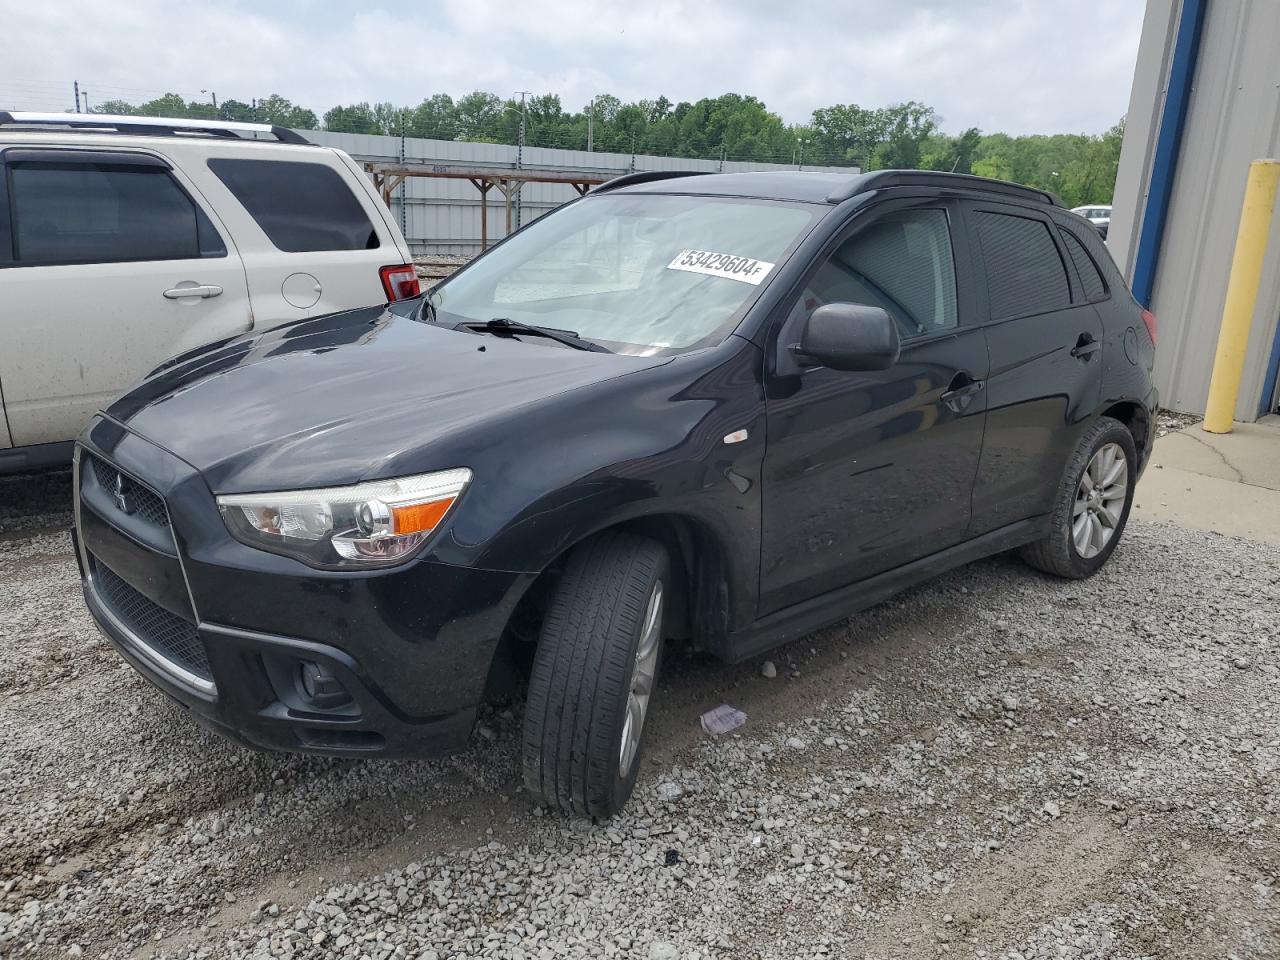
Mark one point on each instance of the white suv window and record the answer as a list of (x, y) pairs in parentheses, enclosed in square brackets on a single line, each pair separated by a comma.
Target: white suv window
[(301, 207), (104, 212)]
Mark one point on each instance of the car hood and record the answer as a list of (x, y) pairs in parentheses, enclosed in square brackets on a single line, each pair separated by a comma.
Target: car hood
[(345, 397)]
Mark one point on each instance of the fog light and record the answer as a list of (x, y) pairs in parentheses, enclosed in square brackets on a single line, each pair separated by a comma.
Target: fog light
[(320, 687)]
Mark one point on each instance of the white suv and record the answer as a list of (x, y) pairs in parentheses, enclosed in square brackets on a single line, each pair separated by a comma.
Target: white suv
[(127, 240), (1099, 214)]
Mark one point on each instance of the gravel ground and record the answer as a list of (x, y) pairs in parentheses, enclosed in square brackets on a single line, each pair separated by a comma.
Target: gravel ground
[(1169, 421), (995, 765), (431, 270)]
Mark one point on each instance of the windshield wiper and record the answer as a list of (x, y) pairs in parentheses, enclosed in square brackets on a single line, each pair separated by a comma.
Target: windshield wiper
[(427, 311), (501, 326)]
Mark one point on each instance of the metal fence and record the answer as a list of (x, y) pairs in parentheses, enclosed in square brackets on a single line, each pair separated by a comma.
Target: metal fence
[(440, 216)]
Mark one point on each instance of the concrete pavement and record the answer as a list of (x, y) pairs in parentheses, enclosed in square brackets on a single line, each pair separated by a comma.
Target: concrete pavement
[(1228, 483)]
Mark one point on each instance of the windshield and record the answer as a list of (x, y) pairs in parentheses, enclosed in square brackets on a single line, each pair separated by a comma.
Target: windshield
[(636, 273)]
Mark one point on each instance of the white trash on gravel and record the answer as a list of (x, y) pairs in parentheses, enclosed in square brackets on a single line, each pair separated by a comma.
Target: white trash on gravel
[(723, 719)]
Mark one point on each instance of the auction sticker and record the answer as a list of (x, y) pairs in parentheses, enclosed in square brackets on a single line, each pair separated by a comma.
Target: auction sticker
[(746, 269)]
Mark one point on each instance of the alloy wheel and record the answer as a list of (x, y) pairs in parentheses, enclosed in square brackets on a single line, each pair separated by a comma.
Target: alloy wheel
[(643, 672), (1100, 500)]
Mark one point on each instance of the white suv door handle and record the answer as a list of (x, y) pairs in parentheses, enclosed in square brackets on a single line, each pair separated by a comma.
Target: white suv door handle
[(180, 293)]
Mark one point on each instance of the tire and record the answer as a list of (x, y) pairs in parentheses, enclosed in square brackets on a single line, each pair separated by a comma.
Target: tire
[(1060, 553), (589, 654)]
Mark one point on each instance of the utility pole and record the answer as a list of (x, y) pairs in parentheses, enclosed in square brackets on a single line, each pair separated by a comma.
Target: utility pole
[(520, 139), (591, 125), (76, 88), (520, 148), (404, 193)]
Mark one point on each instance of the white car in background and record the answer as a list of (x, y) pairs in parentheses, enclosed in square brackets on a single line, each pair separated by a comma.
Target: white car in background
[(127, 240), (1099, 214)]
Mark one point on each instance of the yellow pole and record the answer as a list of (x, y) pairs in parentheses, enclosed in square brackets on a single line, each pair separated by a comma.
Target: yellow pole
[(1242, 294)]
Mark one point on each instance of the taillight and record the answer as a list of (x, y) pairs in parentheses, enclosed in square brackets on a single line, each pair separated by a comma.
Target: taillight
[(399, 282), (1149, 319)]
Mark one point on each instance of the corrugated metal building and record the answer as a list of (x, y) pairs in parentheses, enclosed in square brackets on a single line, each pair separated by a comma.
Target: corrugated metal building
[(1231, 116), (443, 216)]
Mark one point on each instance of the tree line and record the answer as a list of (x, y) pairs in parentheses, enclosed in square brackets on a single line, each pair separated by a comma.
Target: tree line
[(1080, 168)]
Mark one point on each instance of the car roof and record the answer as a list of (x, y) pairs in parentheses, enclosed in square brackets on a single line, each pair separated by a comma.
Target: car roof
[(805, 186), (29, 138), (147, 125), (812, 186)]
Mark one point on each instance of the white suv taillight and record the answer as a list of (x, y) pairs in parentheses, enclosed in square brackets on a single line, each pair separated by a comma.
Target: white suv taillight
[(399, 282)]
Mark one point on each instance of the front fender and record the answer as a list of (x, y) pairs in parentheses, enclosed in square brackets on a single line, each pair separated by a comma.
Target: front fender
[(642, 446)]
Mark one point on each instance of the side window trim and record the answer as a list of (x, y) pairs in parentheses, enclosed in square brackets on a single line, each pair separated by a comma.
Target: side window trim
[(6, 222), (207, 230), (120, 158), (982, 276)]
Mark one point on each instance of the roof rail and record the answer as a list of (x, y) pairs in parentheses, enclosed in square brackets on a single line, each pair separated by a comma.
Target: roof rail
[(880, 179), (154, 126), (645, 176)]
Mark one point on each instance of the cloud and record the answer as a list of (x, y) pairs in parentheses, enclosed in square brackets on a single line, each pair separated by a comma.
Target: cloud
[(1021, 66)]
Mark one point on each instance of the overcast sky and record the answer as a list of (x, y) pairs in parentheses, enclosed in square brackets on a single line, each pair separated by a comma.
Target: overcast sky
[(1021, 66)]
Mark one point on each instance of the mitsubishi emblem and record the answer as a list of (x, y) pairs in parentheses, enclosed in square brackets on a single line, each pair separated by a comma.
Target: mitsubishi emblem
[(121, 495)]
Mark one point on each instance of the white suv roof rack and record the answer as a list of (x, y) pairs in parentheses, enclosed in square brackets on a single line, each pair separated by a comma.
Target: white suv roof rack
[(150, 125)]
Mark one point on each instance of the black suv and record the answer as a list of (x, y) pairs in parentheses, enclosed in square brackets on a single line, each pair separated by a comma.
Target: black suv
[(727, 408)]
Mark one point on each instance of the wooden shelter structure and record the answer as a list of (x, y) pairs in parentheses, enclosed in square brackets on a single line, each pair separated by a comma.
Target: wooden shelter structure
[(387, 176)]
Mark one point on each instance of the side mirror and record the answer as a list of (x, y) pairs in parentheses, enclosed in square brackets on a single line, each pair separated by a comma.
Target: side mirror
[(850, 336)]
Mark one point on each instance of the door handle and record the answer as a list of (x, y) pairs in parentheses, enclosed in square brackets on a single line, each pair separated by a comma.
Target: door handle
[(1085, 347), (962, 391), (203, 291)]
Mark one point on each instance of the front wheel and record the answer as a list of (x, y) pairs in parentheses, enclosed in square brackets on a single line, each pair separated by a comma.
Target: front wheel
[(594, 673), (1092, 506)]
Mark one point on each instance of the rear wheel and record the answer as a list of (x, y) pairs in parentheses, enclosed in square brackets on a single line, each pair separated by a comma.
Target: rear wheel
[(1092, 506), (594, 674)]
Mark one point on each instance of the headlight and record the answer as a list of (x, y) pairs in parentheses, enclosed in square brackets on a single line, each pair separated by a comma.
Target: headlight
[(366, 525)]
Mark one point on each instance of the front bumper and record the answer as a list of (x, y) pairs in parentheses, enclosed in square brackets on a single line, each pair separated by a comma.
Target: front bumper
[(226, 630)]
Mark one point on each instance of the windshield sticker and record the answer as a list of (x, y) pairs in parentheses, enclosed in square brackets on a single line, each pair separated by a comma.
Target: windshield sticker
[(725, 265)]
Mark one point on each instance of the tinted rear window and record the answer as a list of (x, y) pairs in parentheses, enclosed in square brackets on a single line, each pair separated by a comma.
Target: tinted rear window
[(104, 213), (301, 207), (1025, 273), (1090, 278)]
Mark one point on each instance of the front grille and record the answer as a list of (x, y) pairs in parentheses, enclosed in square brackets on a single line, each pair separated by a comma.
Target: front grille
[(166, 633), (139, 501)]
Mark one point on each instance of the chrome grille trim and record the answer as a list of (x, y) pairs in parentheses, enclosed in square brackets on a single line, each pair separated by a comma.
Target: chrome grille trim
[(137, 645), (171, 636), (144, 650)]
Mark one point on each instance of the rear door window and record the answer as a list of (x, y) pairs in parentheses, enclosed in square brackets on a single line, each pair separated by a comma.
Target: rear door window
[(1094, 287), (301, 207), (1025, 272), (101, 212)]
